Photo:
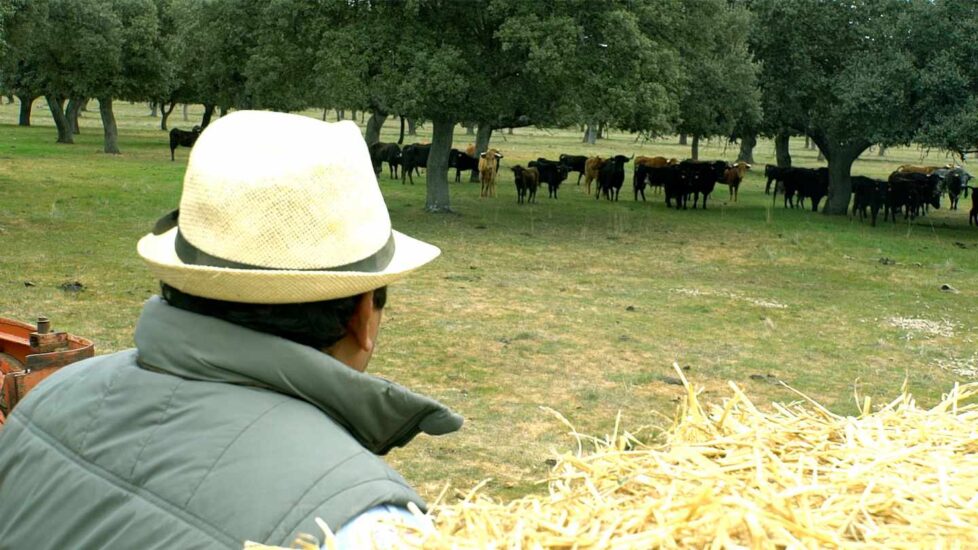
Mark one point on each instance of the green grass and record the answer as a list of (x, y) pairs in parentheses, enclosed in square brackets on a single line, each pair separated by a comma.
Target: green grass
[(575, 304)]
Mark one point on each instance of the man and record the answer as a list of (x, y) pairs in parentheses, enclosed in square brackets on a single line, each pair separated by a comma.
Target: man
[(243, 413)]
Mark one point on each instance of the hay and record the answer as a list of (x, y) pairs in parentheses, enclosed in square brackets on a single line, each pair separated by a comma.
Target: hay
[(732, 476)]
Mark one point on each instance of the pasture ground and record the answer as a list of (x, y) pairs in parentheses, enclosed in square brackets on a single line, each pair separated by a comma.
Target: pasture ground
[(575, 304)]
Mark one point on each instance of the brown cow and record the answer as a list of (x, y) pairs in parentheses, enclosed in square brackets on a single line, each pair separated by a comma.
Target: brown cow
[(591, 169), (733, 175), (488, 166), (527, 181), (655, 162)]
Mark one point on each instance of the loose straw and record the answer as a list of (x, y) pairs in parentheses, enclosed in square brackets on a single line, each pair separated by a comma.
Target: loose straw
[(729, 475)]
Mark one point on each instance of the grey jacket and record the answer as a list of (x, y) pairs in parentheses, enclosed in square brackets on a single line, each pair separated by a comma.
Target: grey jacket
[(205, 435)]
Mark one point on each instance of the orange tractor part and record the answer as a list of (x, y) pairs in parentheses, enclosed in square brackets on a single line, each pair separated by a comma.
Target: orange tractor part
[(31, 353)]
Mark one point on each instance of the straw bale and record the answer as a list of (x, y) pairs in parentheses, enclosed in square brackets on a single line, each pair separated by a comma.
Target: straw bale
[(728, 475)]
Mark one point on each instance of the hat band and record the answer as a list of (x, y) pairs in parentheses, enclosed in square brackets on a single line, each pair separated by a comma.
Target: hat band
[(190, 254)]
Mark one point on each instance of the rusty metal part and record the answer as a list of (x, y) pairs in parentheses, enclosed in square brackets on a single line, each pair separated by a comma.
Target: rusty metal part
[(31, 353)]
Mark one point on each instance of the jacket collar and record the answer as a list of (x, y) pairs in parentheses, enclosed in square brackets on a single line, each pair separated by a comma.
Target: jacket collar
[(380, 414)]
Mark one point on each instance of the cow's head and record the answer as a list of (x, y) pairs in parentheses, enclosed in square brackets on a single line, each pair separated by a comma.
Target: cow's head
[(741, 167)]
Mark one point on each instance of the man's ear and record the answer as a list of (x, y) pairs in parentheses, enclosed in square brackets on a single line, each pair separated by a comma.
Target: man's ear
[(359, 324)]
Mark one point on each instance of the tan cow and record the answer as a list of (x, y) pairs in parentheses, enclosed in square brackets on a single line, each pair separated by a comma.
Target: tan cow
[(920, 169), (488, 166), (591, 169)]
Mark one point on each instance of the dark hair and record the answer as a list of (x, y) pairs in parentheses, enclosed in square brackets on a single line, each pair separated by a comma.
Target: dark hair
[(316, 324)]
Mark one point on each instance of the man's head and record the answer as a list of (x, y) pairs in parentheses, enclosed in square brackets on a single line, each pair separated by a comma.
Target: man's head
[(280, 209), (345, 328)]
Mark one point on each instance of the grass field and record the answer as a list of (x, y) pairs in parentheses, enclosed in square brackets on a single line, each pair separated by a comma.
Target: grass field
[(574, 304)]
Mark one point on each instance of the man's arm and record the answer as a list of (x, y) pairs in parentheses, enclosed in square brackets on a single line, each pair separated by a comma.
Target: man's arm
[(374, 529)]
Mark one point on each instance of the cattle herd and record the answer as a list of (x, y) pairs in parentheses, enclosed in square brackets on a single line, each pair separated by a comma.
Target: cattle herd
[(908, 192)]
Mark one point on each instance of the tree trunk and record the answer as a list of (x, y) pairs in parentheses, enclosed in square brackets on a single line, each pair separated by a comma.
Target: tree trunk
[(696, 147), (208, 114), (600, 130), (26, 104), (590, 134), (165, 112), (374, 124), (353, 115), (682, 139), (482, 136), (224, 111), (152, 109), (340, 115), (747, 144), (108, 125), (412, 127), (808, 142), (73, 111), (437, 174), (781, 151), (185, 117), (510, 131), (882, 152), (325, 110), (470, 129), (56, 105), (840, 159)]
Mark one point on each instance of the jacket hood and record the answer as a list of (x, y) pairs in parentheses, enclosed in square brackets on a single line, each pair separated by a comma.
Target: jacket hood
[(380, 414)]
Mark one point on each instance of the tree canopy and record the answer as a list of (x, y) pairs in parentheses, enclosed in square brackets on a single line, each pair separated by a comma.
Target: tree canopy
[(847, 73), (861, 72)]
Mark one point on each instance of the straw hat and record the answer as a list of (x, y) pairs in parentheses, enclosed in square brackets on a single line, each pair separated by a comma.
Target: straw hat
[(280, 208)]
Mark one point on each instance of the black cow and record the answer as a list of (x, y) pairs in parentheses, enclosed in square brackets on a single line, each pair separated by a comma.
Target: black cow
[(574, 163), (868, 193), (701, 177), (812, 183), (385, 152), (673, 182), (553, 173), (773, 174), (412, 157), (973, 214), (611, 177), (910, 191), (461, 161), (183, 138), (639, 179), (955, 182)]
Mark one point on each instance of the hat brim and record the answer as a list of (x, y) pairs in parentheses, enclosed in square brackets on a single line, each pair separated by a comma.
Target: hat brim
[(277, 286)]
